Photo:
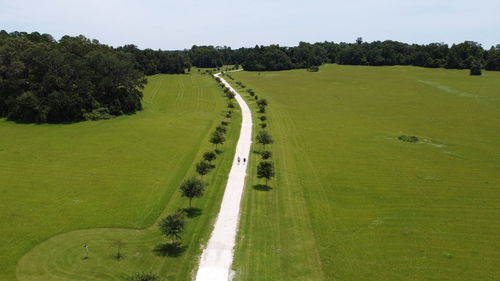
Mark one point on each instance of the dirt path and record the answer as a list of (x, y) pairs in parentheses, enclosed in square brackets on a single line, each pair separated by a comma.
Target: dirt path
[(216, 260)]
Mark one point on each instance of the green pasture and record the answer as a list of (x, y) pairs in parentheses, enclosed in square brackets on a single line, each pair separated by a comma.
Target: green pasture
[(97, 183), (352, 202)]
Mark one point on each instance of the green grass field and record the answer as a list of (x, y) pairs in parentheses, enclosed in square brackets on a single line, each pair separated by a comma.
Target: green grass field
[(352, 202), (99, 182)]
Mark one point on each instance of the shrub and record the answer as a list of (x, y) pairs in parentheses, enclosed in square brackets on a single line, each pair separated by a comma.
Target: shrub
[(406, 138), (262, 102), (475, 68), (313, 69), (101, 113)]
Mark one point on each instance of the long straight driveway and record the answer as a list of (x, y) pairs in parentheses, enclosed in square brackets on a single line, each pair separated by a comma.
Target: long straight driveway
[(216, 260)]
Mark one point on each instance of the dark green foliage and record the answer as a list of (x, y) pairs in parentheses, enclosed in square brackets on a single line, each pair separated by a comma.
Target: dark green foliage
[(256, 97), (192, 188), (377, 53), (475, 68), (263, 125), (265, 170), (144, 277), (203, 167), (266, 154), (152, 62), (221, 129), (262, 109), (230, 105), (173, 226), (262, 102), (264, 138), (313, 69), (493, 58), (217, 138), (101, 113), (251, 92), (263, 118), (230, 95), (42, 80), (208, 56), (224, 123), (406, 138), (209, 156), (229, 114)]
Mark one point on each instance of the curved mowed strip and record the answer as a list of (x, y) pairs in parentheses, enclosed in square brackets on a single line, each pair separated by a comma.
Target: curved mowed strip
[(107, 181), (352, 202)]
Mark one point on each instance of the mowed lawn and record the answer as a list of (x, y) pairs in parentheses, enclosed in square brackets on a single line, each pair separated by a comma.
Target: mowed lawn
[(352, 202), (101, 182)]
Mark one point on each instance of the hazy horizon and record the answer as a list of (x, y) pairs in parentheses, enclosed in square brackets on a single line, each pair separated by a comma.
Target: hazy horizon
[(179, 25)]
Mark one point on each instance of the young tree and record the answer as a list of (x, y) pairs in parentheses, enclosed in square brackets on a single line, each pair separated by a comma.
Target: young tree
[(263, 118), (262, 109), (263, 137), (263, 125), (217, 138), (173, 226), (262, 102), (221, 129), (266, 154), (209, 156), (119, 244), (224, 123), (203, 167), (192, 188), (265, 170)]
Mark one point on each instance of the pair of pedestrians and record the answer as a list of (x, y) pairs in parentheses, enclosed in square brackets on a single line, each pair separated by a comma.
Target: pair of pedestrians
[(244, 160)]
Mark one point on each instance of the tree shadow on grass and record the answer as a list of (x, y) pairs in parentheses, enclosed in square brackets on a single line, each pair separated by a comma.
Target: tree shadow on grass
[(262, 187), (169, 250), (192, 212)]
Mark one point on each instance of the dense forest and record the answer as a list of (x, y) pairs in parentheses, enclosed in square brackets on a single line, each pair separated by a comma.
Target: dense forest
[(305, 55), (75, 78)]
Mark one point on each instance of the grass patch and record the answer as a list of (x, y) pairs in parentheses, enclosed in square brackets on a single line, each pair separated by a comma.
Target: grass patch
[(99, 182), (349, 203)]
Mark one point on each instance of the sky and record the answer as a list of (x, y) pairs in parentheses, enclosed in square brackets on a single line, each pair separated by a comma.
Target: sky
[(179, 24)]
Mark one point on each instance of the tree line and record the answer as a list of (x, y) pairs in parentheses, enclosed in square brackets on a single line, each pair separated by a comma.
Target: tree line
[(74, 79), (377, 53)]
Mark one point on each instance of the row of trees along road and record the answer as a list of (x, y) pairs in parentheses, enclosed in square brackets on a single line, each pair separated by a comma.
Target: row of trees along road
[(173, 225), (265, 168)]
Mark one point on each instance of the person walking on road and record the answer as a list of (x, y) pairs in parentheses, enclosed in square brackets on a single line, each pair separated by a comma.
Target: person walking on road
[(238, 160), (244, 161)]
